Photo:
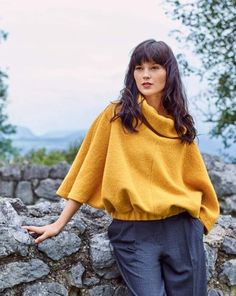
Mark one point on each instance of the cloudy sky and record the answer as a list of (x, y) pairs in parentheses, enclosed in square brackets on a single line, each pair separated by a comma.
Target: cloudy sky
[(66, 59)]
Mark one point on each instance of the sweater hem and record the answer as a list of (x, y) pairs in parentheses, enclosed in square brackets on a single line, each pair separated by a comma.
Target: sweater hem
[(132, 215)]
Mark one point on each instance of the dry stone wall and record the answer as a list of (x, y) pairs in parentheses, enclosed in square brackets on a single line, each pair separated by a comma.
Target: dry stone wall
[(32, 182), (80, 259)]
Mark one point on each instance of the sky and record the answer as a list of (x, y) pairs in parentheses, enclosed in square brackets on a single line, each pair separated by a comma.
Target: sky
[(66, 59)]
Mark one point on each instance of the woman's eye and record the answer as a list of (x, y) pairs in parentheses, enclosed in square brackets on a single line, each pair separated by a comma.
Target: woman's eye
[(155, 67), (138, 68)]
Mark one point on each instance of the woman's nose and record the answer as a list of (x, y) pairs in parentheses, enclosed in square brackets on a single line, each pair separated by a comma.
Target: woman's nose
[(146, 73)]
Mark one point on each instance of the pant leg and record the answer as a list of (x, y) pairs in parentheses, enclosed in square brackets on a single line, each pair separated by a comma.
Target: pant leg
[(183, 260), (136, 253)]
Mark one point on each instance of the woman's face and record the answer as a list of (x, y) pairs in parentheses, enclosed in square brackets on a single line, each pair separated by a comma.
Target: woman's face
[(150, 79)]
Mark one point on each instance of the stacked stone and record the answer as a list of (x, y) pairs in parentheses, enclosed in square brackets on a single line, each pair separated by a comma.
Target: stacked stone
[(32, 182), (80, 259), (223, 177)]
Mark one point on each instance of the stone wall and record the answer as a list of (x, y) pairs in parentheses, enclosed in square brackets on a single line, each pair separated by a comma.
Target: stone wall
[(80, 260), (32, 182)]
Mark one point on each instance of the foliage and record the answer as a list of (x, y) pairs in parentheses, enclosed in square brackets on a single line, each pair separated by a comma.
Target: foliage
[(72, 151), (6, 148), (42, 156), (211, 25)]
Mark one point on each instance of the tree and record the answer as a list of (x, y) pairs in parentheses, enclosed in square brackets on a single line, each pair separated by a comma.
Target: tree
[(212, 26), (6, 148)]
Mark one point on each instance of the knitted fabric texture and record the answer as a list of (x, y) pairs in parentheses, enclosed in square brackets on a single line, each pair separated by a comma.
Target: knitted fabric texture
[(140, 176)]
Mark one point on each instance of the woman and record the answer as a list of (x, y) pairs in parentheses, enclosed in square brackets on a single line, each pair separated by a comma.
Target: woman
[(140, 162)]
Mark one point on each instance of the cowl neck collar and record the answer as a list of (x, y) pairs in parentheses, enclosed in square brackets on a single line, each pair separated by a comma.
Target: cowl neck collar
[(163, 124)]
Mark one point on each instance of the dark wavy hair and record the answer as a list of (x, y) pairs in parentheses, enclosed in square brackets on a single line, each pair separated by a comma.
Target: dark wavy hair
[(174, 98)]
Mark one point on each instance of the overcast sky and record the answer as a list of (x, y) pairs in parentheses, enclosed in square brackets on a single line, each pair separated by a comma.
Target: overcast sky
[(66, 59)]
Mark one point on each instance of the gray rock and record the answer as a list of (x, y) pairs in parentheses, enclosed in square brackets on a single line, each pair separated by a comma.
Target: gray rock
[(8, 215), (214, 292), (100, 251), (22, 272), (233, 227), (223, 176), (91, 281), (24, 192), (75, 275), (104, 290), (13, 240), (77, 223), (35, 183), (11, 172), (92, 212), (228, 274), (213, 162), (224, 220), (34, 171), (112, 274), (220, 229), (47, 189), (224, 180), (11, 292), (18, 205), (229, 245), (59, 170), (121, 291), (230, 205), (46, 289), (61, 245), (211, 256), (7, 188), (47, 207)]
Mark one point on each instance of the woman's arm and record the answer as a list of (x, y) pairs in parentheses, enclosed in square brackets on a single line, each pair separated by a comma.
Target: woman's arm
[(53, 229), (68, 212)]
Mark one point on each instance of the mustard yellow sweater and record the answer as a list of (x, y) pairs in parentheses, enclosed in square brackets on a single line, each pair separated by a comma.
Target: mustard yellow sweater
[(140, 176)]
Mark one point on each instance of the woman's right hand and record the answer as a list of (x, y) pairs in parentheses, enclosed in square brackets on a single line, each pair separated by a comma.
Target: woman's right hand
[(43, 232)]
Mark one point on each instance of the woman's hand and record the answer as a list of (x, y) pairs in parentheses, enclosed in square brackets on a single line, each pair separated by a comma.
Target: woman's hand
[(43, 232)]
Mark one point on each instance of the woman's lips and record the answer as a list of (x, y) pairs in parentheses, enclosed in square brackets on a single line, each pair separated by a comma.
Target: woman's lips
[(146, 85)]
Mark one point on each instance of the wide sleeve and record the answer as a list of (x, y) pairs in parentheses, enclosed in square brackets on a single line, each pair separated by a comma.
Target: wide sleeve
[(84, 179), (197, 176)]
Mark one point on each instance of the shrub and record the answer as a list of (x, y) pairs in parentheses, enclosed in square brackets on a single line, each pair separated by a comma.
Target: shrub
[(42, 156)]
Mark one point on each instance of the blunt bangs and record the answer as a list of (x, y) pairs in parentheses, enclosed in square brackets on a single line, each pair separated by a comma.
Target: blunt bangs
[(148, 53)]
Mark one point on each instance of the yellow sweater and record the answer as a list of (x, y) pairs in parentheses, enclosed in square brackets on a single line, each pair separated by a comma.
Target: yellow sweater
[(140, 176)]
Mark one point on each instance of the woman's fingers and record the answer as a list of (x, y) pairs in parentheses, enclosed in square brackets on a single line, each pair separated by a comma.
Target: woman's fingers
[(41, 238), (36, 229), (40, 233)]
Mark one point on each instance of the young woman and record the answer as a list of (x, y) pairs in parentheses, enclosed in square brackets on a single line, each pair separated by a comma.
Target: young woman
[(140, 163)]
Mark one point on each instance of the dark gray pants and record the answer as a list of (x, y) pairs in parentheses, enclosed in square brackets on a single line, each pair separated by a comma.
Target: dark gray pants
[(161, 257)]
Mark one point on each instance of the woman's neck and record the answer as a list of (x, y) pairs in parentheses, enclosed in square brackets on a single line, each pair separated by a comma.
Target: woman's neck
[(156, 103)]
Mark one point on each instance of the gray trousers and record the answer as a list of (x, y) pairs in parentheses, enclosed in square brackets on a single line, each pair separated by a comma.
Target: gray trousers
[(160, 257)]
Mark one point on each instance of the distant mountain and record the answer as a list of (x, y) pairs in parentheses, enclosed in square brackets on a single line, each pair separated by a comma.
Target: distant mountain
[(23, 133), (76, 135), (60, 134), (25, 140)]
